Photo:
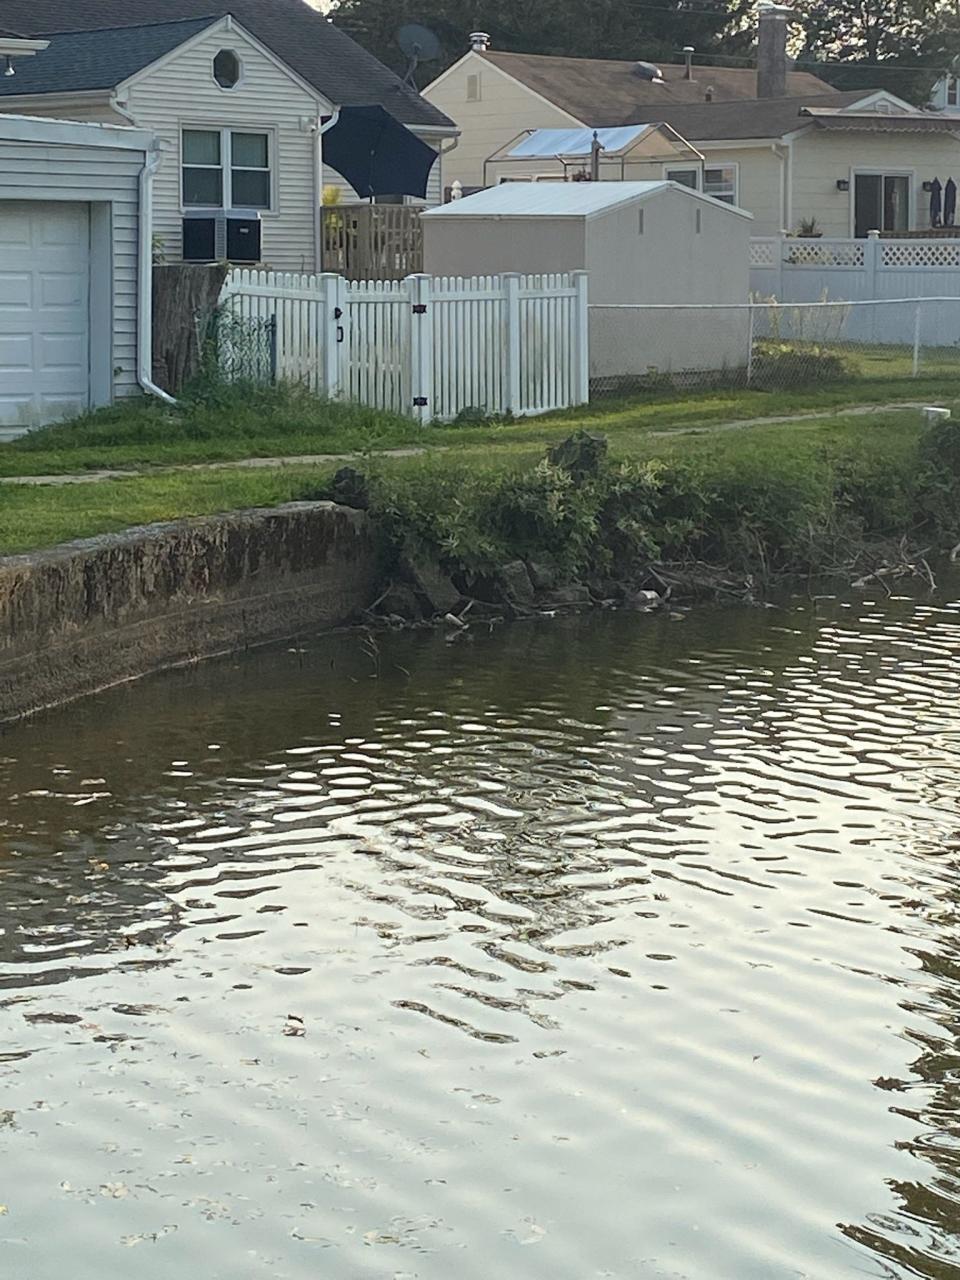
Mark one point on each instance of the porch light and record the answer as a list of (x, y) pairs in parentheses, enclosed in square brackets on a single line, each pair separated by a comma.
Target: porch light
[(843, 184), (8, 70)]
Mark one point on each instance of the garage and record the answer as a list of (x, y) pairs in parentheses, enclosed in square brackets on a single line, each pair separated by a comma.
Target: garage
[(44, 312), (74, 301)]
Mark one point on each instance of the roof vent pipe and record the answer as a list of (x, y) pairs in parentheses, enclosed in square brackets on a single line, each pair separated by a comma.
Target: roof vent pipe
[(688, 52), (479, 41)]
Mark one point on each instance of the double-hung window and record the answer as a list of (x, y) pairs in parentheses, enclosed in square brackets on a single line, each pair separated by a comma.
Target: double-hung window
[(686, 177), (953, 91), (226, 169), (721, 183)]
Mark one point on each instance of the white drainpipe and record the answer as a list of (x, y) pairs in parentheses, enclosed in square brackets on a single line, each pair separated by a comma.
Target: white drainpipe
[(318, 189), (145, 272)]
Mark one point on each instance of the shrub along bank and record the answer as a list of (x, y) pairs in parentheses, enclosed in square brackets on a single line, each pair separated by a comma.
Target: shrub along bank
[(766, 502), (809, 496)]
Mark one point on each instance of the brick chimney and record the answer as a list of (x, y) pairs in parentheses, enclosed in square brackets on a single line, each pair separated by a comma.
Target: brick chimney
[(774, 20)]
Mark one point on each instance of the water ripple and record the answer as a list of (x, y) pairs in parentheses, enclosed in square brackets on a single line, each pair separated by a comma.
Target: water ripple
[(612, 947)]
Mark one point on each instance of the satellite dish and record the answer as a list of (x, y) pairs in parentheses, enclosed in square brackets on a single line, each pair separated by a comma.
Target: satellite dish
[(420, 44)]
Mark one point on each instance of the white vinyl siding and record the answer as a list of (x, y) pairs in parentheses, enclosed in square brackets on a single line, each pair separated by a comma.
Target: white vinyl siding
[(758, 184), (821, 160), (94, 176), (181, 93)]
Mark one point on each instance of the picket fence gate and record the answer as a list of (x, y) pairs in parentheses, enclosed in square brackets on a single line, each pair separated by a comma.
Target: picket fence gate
[(431, 347)]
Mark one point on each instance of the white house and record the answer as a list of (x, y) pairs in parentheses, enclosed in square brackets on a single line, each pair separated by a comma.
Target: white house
[(239, 122), (200, 86), (74, 268)]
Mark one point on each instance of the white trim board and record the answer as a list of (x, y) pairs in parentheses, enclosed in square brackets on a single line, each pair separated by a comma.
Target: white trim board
[(72, 133)]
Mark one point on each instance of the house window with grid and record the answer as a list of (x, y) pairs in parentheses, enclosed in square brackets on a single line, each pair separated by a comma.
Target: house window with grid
[(226, 169), (953, 91), (721, 183)]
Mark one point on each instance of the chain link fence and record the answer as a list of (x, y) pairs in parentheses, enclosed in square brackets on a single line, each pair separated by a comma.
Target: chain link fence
[(243, 348), (773, 346)]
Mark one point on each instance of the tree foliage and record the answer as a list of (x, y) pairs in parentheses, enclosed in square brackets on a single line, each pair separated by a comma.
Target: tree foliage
[(900, 45), (603, 29)]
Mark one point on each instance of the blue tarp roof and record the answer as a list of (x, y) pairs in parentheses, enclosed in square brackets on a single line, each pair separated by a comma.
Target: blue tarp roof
[(545, 143)]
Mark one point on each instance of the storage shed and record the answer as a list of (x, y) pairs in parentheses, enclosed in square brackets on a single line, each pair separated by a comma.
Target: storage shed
[(642, 243), (74, 268)]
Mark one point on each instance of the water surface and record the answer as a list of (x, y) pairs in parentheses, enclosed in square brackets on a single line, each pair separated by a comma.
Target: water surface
[(610, 947)]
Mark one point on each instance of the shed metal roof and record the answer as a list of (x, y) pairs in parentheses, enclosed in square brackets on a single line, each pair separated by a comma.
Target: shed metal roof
[(563, 200), (545, 143)]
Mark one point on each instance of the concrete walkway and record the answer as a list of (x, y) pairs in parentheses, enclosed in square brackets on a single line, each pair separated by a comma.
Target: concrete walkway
[(325, 459)]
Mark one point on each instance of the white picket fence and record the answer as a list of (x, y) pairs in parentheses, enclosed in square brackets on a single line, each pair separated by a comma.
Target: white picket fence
[(425, 346)]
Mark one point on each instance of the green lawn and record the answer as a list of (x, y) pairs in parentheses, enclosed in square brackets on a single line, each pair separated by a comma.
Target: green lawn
[(287, 423), (40, 516)]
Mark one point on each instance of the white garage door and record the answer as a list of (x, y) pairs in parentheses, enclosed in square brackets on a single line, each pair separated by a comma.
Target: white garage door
[(44, 313)]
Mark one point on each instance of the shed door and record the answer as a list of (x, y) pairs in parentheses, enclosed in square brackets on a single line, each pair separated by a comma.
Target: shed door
[(44, 313)]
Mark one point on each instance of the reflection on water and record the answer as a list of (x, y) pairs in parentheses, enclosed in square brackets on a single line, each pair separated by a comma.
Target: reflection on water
[(613, 947)]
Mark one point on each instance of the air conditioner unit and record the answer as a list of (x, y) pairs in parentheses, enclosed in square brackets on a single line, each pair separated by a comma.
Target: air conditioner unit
[(230, 235)]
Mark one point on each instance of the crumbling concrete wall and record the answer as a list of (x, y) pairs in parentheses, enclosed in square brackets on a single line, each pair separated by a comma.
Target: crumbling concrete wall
[(90, 614)]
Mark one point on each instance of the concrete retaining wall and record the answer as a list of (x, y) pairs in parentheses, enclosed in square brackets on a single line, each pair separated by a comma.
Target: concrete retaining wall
[(90, 614)]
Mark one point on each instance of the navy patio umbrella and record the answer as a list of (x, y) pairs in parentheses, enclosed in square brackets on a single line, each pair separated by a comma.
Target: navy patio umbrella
[(378, 155)]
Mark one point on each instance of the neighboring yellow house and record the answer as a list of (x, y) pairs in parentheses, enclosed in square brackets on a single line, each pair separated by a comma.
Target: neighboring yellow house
[(781, 144)]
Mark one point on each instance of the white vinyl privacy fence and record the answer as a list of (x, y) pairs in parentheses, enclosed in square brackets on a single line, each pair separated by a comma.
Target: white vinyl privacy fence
[(806, 269), (429, 347)]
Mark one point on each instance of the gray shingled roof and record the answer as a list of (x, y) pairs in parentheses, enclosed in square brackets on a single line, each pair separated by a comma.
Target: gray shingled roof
[(321, 53), (79, 61), (760, 118), (603, 92)]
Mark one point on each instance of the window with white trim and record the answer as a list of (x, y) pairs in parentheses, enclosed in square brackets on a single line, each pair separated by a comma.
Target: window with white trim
[(226, 69), (721, 183), (226, 169), (686, 177), (953, 91)]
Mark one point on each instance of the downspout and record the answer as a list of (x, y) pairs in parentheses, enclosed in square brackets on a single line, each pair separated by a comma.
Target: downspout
[(318, 190), (145, 269), (145, 274), (445, 151)]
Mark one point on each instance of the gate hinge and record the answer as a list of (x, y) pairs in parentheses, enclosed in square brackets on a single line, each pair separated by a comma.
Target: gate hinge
[(419, 402), (419, 308)]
